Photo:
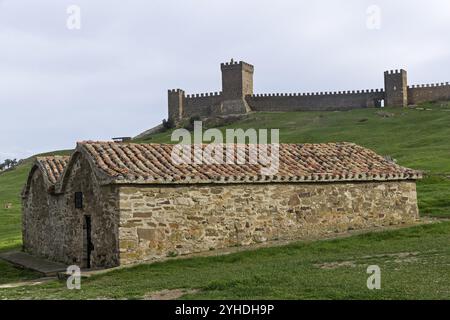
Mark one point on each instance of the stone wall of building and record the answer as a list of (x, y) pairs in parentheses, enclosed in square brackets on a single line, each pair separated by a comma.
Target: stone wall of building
[(101, 204), (42, 226), (203, 105), (210, 104), (53, 227), (428, 92), (320, 101), (160, 221)]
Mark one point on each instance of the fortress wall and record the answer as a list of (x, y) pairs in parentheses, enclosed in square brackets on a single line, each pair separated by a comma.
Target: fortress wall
[(323, 101), (201, 104), (237, 96), (428, 92)]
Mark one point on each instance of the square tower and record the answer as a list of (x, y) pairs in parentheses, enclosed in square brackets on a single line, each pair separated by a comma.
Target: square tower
[(396, 88), (237, 80), (176, 104)]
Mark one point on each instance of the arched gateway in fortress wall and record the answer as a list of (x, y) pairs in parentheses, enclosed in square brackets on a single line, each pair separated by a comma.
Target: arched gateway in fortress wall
[(237, 96)]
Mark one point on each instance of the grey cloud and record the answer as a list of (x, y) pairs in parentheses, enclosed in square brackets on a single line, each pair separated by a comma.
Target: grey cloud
[(111, 77)]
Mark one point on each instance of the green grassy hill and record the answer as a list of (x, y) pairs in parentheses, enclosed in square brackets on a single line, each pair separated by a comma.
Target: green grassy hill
[(413, 259), (11, 184)]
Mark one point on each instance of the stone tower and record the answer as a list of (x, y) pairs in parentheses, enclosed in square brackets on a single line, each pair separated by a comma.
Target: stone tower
[(237, 82), (396, 88), (176, 101)]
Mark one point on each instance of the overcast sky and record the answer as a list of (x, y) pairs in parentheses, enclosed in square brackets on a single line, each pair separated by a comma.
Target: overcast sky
[(110, 77)]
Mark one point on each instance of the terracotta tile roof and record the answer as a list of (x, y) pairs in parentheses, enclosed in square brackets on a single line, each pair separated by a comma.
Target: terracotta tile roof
[(52, 166), (52, 169), (152, 164)]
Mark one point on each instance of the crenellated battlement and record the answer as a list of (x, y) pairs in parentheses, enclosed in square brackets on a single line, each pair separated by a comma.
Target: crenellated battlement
[(204, 95), (175, 90), (394, 71), (236, 65), (307, 94), (428, 92), (232, 63), (237, 97), (429, 85)]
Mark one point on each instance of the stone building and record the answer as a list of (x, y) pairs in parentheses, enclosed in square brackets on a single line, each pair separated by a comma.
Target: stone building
[(237, 96), (42, 223), (121, 203)]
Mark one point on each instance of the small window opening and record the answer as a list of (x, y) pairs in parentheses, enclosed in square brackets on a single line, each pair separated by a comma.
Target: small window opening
[(79, 200)]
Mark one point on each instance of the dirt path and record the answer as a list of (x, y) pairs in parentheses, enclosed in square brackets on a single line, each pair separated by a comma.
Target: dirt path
[(169, 294)]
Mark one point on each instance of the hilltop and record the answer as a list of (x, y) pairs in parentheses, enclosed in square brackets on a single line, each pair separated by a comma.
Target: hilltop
[(11, 184)]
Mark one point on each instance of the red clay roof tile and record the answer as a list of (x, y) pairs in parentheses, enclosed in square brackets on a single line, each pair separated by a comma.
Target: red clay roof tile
[(53, 166)]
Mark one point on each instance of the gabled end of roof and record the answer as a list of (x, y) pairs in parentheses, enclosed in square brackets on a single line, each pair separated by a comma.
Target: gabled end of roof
[(51, 168)]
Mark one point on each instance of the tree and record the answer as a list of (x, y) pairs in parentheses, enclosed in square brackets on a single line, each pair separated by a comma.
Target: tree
[(8, 164), (168, 124)]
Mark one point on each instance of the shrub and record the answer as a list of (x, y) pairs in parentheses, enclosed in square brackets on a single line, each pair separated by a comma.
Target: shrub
[(168, 124), (190, 125)]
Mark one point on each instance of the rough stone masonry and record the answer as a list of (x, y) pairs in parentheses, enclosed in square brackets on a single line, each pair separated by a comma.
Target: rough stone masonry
[(156, 222)]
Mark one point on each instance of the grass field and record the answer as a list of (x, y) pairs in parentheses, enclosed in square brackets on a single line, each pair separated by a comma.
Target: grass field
[(11, 184), (414, 260), (414, 264)]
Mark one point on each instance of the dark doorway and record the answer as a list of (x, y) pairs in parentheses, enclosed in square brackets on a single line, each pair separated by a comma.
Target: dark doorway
[(87, 241)]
